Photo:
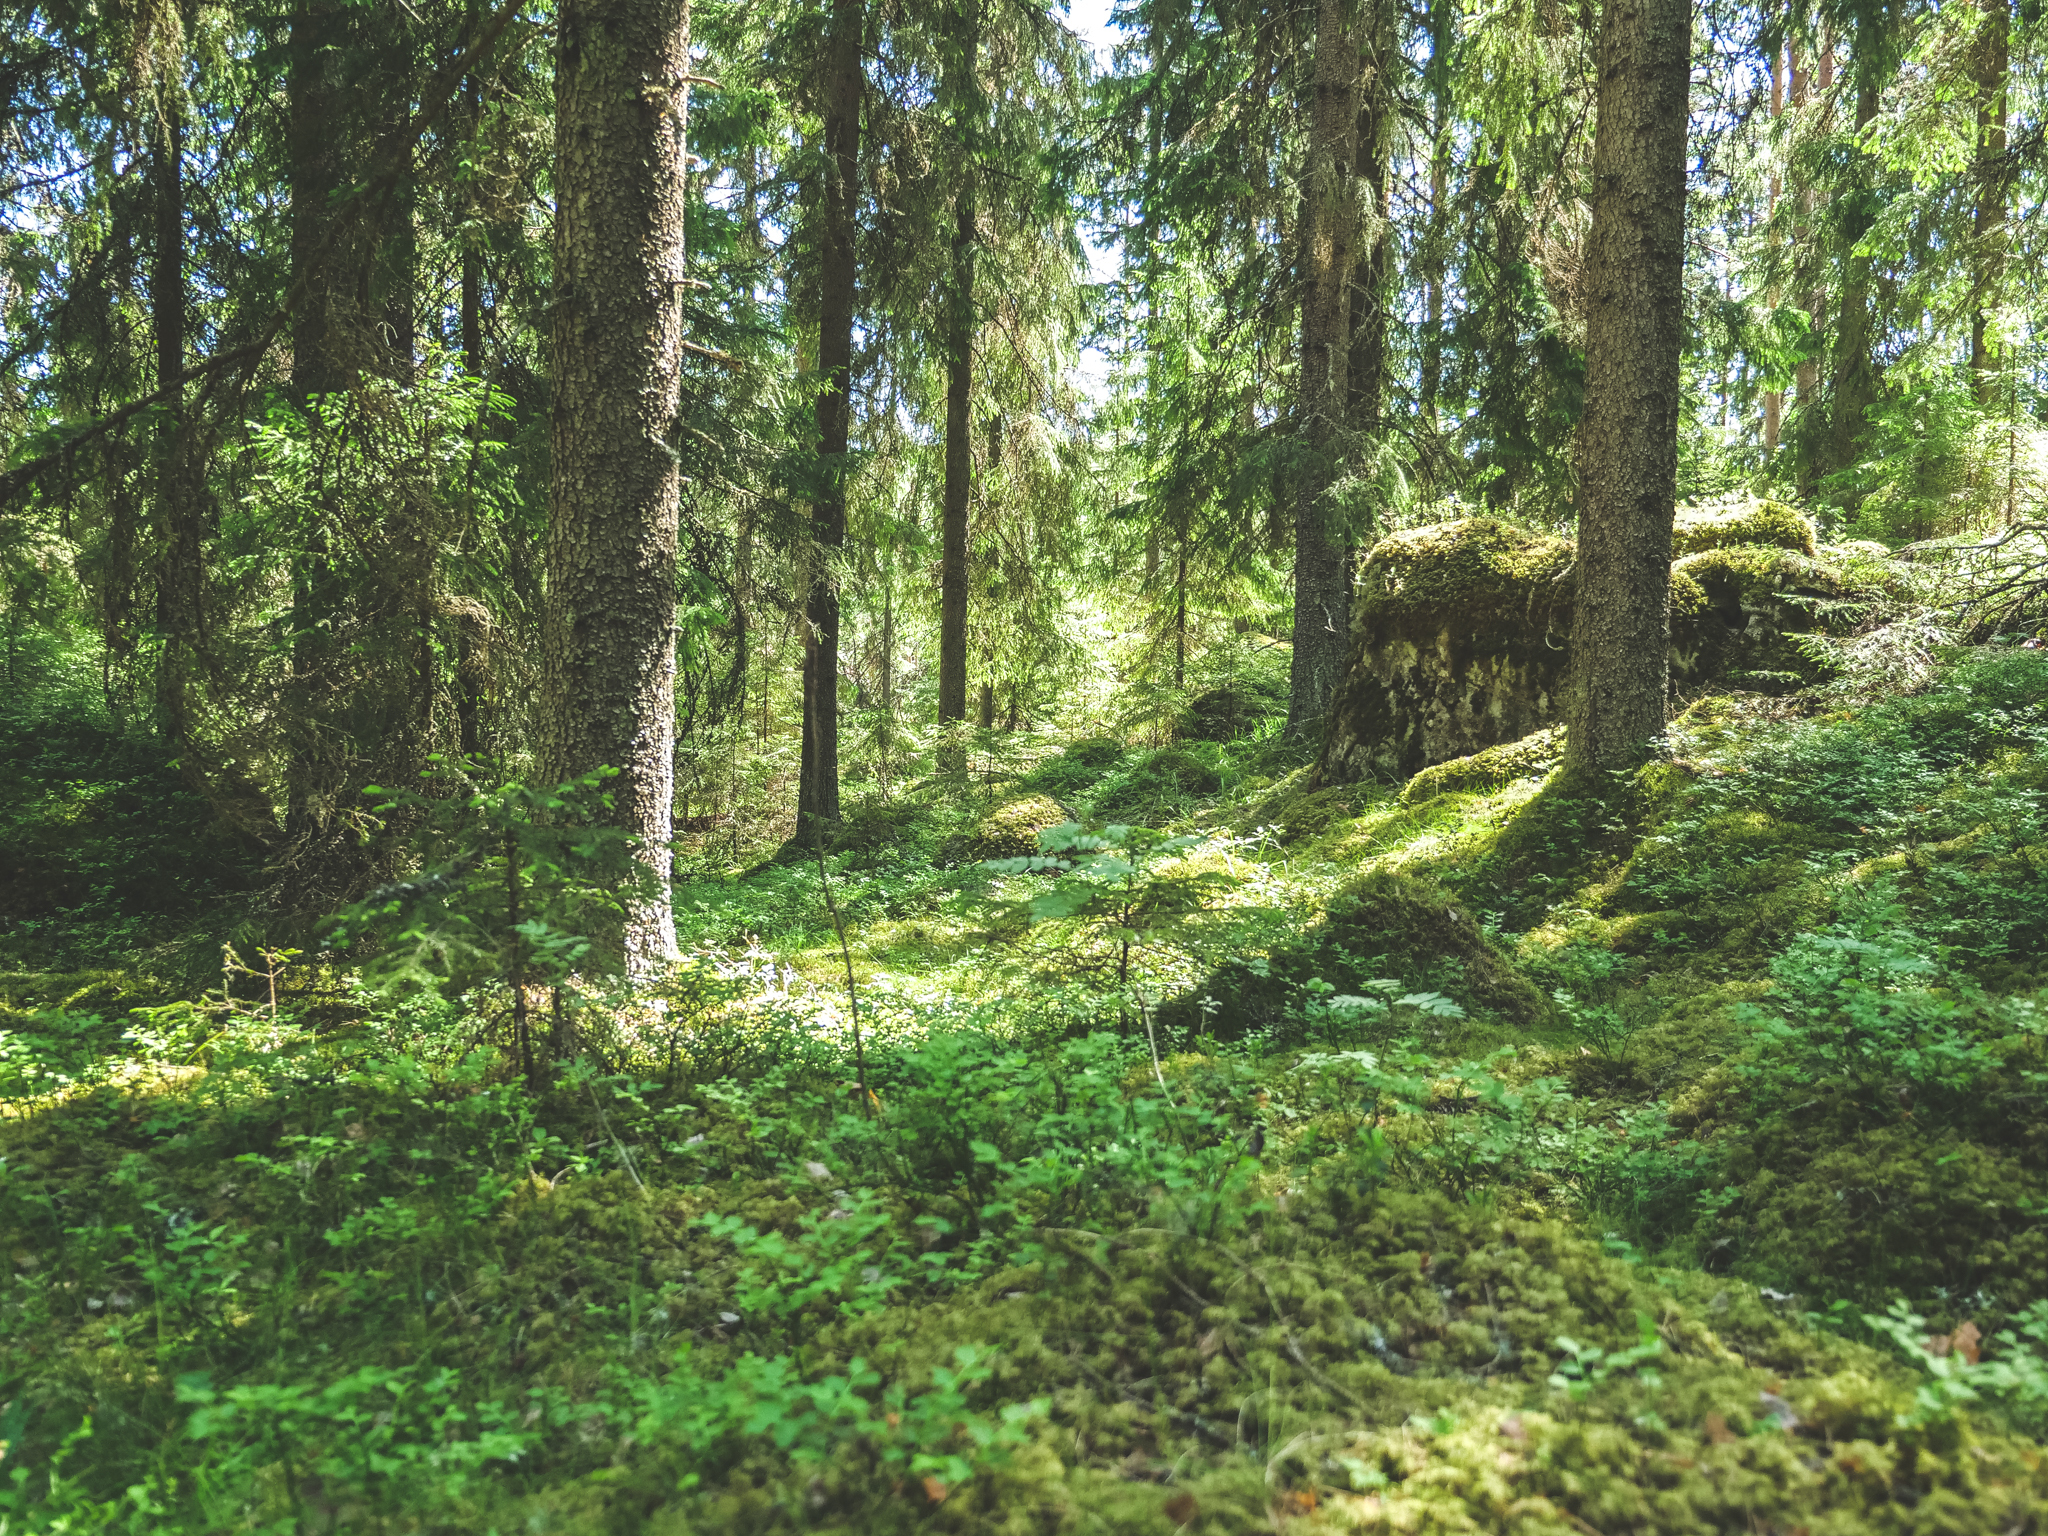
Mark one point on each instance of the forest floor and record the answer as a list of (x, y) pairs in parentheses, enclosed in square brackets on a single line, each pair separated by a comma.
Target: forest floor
[(1459, 1156)]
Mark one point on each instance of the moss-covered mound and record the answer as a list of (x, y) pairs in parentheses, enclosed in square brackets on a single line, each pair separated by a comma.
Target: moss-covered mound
[(1489, 770), (1081, 766), (1763, 522), (1380, 924), (1157, 787), (1008, 829), (1232, 710)]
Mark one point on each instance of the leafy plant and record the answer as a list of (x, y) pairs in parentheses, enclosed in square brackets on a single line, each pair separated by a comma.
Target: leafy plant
[(1119, 881)]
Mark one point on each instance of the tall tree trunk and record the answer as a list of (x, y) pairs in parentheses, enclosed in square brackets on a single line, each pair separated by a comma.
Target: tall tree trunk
[(1858, 377), (1774, 399), (1329, 230), (1993, 63), (1806, 377), (818, 777), (963, 51), (1367, 368), (615, 346), (317, 132), (1442, 15), (180, 574), (471, 670), (1628, 439)]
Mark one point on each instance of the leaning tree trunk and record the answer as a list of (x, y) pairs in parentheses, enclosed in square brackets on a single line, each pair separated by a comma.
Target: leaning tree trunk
[(1628, 439), (963, 49), (615, 345), (1329, 227), (818, 775)]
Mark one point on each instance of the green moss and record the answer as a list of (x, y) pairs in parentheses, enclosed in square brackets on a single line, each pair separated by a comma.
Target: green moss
[(1311, 815), (1464, 568), (1417, 925), (1765, 522), (1757, 572), (1488, 770), (1011, 828), (1158, 786)]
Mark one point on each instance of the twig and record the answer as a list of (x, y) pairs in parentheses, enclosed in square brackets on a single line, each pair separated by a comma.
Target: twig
[(860, 1060)]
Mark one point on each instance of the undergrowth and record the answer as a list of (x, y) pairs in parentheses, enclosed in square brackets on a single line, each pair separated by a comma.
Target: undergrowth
[(1670, 1158)]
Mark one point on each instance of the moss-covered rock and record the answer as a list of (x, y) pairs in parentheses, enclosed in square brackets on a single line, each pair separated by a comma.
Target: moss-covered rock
[(1461, 630), (1758, 522), (1489, 770), (1009, 829)]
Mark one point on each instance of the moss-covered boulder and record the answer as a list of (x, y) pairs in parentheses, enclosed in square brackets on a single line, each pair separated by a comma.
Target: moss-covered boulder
[(1008, 830), (1461, 631), (1759, 522)]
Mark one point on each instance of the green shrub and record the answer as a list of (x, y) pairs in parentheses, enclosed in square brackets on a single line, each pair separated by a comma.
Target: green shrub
[(1157, 787)]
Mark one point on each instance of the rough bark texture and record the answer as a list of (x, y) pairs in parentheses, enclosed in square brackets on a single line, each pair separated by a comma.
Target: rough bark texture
[(1993, 64), (321, 324), (1329, 234), (1858, 377), (615, 346), (180, 573), (1371, 280), (1628, 439), (963, 48), (818, 775)]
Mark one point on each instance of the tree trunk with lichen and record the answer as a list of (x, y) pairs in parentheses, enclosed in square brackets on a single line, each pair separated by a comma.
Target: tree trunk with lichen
[(615, 345), (1628, 438)]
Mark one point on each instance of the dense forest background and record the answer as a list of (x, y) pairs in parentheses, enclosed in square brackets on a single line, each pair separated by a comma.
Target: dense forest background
[(852, 766)]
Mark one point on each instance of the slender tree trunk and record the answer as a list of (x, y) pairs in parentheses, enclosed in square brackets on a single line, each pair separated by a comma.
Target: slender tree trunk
[(964, 47), (1806, 377), (615, 344), (1858, 377), (1329, 230), (318, 130), (1367, 368), (1442, 15), (180, 574), (1989, 226), (1628, 438), (818, 777), (1774, 400)]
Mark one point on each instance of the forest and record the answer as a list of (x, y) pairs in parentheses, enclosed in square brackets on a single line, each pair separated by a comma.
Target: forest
[(1202, 766)]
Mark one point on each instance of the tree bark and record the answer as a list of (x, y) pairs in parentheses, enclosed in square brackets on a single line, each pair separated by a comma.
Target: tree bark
[(615, 346), (1628, 439), (180, 574), (1329, 230), (1774, 399), (1993, 64), (1858, 377), (818, 775), (964, 48), (318, 133), (1367, 369)]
